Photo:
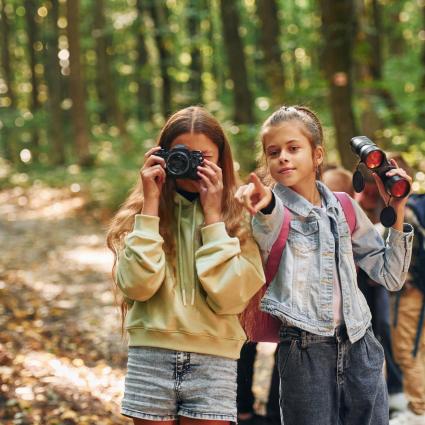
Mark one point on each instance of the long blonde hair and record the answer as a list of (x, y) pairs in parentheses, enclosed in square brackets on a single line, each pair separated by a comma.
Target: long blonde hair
[(197, 120)]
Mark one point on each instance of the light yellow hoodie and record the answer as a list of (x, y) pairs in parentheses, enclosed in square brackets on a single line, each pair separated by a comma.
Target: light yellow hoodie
[(194, 309)]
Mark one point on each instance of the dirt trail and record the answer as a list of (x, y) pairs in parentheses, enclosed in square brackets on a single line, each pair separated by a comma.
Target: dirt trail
[(61, 356), (62, 359)]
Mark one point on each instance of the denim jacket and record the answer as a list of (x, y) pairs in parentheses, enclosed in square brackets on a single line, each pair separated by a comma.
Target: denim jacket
[(301, 294)]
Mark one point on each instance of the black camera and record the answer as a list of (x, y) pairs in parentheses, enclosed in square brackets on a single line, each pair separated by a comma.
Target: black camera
[(181, 163), (376, 161)]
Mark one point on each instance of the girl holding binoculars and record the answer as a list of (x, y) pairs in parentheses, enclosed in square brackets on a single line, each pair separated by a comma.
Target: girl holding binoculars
[(330, 363)]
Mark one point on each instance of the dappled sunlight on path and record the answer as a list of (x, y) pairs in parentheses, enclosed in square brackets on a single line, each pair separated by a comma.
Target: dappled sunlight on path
[(62, 358)]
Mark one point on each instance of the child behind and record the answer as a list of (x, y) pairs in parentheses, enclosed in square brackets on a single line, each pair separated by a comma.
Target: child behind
[(186, 267), (338, 180), (330, 363)]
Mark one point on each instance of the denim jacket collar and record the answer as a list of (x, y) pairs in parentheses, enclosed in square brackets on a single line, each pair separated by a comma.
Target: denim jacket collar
[(299, 204)]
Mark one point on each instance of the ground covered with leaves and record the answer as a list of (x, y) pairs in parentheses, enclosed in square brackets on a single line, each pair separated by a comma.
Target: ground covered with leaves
[(62, 358)]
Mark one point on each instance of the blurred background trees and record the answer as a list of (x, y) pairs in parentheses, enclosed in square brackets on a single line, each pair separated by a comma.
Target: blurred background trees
[(86, 85)]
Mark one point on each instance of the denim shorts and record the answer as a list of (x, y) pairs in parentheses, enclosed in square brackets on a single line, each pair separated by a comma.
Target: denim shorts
[(165, 384)]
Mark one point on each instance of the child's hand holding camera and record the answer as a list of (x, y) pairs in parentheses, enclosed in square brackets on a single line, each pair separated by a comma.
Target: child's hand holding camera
[(153, 178)]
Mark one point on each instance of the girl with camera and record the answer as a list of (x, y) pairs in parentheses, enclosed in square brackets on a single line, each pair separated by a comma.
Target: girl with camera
[(186, 266), (330, 363)]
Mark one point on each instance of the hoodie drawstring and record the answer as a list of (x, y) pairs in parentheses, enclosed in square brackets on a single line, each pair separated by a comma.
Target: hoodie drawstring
[(191, 254)]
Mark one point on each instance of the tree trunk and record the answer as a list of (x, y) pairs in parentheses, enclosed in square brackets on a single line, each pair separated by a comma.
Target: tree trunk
[(194, 24), (268, 13), (337, 27), (371, 72), (76, 81), (421, 116), (144, 68), (159, 13), (9, 147), (32, 33), (376, 62), (54, 84), (5, 54), (242, 98), (105, 78), (423, 49), (215, 35), (396, 41)]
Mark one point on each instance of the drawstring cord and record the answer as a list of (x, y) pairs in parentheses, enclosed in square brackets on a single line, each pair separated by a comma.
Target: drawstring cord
[(192, 300), (192, 255), (179, 257)]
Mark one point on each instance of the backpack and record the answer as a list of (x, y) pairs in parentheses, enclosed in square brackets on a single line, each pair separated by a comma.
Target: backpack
[(416, 203), (264, 327)]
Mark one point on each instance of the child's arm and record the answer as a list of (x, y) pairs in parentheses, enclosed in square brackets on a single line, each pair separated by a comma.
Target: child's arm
[(229, 274), (386, 262), (254, 196), (267, 209), (141, 264)]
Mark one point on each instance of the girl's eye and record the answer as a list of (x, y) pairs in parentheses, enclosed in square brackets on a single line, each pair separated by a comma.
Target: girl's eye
[(294, 148), (273, 153)]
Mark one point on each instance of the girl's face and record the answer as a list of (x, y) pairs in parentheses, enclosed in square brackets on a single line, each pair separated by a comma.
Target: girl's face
[(196, 142), (290, 156)]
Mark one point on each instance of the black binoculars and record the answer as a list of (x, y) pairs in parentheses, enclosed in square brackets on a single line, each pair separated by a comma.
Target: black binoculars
[(376, 161)]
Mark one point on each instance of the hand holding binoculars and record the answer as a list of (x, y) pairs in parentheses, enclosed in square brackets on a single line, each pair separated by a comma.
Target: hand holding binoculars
[(376, 161)]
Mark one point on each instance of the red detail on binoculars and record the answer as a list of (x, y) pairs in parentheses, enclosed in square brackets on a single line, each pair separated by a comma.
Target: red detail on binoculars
[(400, 188), (374, 159)]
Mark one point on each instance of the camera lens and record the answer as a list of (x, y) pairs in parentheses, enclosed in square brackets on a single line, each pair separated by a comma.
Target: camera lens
[(178, 163)]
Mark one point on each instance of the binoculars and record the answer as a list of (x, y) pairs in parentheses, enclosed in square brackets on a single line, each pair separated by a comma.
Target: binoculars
[(376, 161)]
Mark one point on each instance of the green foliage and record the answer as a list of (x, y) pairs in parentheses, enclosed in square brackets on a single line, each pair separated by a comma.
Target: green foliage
[(400, 128)]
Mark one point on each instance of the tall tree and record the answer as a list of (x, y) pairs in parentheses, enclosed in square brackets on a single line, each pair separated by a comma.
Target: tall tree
[(338, 21), (32, 33), (374, 62), (105, 79), (76, 82), (268, 13), (421, 116), (159, 14), (194, 24), (5, 53), (144, 68), (54, 84), (394, 31), (242, 97), (215, 60), (423, 49), (9, 147)]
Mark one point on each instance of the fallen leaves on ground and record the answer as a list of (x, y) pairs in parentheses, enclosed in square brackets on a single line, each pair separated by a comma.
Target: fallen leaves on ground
[(62, 358)]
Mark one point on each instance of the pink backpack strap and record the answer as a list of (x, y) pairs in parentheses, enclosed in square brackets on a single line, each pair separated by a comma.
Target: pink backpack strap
[(348, 208), (275, 255)]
